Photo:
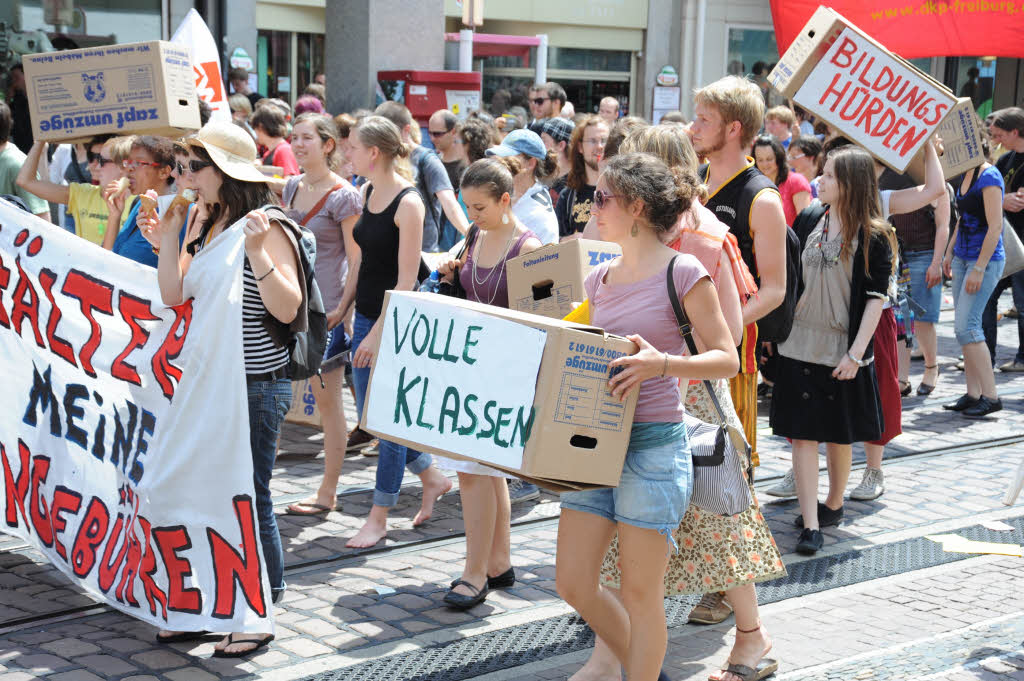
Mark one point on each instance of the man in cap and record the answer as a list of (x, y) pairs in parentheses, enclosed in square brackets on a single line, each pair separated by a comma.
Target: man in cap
[(556, 133)]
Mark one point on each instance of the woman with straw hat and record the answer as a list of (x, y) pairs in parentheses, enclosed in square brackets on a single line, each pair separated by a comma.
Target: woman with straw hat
[(222, 169)]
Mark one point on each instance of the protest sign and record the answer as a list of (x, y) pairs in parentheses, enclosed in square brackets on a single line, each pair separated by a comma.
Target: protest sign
[(872, 96), (136, 88), (519, 392), (194, 33), (304, 410), (124, 441), (549, 281)]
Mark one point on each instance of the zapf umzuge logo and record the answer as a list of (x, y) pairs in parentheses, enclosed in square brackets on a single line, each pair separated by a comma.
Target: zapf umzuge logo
[(93, 87)]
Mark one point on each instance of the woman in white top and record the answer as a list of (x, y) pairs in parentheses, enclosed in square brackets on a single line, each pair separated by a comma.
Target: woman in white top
[(532, 204)]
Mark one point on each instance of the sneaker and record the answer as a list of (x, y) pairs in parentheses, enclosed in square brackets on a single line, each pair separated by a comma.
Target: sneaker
[(712, 609), (826, 516), (519, 490), (786, 488), (810, 542), (358, 439), (982, 408), (1012, 367), (871, 485)]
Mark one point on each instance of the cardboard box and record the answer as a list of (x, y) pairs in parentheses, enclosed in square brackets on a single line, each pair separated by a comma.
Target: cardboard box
[(124, 89), (549, 280), (961, 140), (303, 410), (448, 371), (874, 97)]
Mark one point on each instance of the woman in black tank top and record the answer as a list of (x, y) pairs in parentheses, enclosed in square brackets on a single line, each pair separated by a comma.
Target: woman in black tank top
[(383, 251)]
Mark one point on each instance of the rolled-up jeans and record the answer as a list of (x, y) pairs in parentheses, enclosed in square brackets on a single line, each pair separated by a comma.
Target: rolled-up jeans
[(969, 307), (394, 458)]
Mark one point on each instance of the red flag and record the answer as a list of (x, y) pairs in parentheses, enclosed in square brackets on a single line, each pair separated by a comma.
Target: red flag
[(919, 28)]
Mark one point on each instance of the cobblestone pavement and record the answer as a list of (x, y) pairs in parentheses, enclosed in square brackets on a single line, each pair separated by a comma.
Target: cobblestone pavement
[(344, 608)]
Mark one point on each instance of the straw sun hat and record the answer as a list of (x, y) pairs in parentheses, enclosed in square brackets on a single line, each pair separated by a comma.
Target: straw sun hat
[(231, 149)]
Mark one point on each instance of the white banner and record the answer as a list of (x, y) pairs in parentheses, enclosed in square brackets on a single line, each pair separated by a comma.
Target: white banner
[(124, 432), (194, 32), (455, 379)]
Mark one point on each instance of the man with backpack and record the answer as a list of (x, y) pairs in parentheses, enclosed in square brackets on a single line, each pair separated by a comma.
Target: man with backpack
[(431, 179), (729, 113)]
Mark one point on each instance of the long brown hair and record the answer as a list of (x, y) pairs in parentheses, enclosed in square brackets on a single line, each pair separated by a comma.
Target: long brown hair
[(857, 203), (577, 177)]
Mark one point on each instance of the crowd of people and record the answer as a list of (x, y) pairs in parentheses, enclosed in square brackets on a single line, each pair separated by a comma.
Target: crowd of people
[(713, 205)]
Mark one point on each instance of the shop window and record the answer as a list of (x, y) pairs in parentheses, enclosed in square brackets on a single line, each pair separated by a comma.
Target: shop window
[(310, 59), (274, 63), (975, 78)]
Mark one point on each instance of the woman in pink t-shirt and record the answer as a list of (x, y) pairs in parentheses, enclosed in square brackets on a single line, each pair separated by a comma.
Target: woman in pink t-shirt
[(794, 187), (636, 200)]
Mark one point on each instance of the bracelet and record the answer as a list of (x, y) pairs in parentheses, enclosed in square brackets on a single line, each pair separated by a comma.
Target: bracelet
[(664, 367), (858, 362), (979, 270), (272, 268)]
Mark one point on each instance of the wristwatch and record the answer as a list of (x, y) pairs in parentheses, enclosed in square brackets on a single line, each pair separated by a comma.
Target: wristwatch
[(979, 270)]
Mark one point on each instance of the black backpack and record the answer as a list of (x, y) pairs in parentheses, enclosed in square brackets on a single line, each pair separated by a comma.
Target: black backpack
[(776, 325), (305, 348)]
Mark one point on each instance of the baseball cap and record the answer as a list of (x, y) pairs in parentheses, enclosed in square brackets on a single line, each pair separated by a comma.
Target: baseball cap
[(520, 142), (560, 129)]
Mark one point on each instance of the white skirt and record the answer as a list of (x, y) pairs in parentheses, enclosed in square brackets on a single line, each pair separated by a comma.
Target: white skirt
[(462, 466)]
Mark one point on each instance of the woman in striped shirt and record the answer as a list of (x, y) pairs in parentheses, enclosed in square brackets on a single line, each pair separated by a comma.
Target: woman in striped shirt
[(221, 169)]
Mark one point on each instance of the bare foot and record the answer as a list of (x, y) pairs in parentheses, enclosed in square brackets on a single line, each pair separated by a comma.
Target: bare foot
[(599, 670), (368, 536), (435, 485), (749, 650)]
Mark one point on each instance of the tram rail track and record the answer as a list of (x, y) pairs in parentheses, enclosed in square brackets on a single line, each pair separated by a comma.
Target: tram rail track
[(341, 559)]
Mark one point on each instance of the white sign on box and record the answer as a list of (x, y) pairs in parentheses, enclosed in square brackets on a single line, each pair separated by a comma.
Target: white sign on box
[(455, 379), (874, 99)]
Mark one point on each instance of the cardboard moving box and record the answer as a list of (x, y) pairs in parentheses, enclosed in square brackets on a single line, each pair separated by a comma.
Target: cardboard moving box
[(519, 392), (133, 88), (961, 140), (303, 410), (549, 280), (869, 94)]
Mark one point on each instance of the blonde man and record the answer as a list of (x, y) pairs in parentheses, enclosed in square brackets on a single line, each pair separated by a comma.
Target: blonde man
[(779, 122)]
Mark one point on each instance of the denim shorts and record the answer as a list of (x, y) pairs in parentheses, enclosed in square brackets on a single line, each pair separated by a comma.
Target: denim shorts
[(655, 487), (928, 298), (969, 307)]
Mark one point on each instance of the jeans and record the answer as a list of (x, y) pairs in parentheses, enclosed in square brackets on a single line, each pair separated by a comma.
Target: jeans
[(969, 307), (393, 458), (269, 401), (928, 298), (1014, 282)]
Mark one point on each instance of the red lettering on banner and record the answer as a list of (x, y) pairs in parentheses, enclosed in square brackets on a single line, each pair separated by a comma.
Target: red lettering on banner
[(22, 308), (887, 142), (5, 281), (885, 72), (845, 114), (171, 540), (167, 374), (126, 587), (911, 138), (846, 52), (90, 535), (94, 295), (133, 310), (913, 98), (109, 568), (58, 345), (154, 594), (880, 127), (937, 114), (64, 499), (894, 96), (38, 509), (16, 490), (230, 566), (861, 78)]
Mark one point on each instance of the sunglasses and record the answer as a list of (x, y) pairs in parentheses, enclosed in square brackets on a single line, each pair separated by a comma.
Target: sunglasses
[(601, 199), (194, 166), (98, 158), (540, 100), (135, 165), (796, 157), (438, 133)]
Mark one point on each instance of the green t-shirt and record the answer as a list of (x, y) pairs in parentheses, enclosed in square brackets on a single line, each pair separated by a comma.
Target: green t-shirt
[(11, 160)]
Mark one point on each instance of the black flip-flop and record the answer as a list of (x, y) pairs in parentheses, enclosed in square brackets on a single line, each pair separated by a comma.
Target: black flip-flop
[(262, 643), (182, 636)]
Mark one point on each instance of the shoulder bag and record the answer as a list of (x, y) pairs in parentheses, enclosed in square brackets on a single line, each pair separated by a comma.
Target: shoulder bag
[(454, 288), (719, 485)]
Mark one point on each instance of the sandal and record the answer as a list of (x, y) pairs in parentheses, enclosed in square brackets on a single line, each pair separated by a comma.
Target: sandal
[(905, 388), (307, 509), (765, 668), (924, 389), (257, 645), (181, 636)]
